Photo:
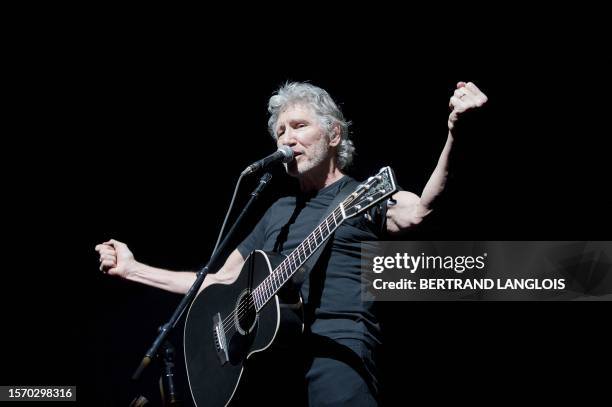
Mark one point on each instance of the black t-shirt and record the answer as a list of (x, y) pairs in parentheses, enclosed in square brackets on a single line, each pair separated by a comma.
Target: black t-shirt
[(332, 290)]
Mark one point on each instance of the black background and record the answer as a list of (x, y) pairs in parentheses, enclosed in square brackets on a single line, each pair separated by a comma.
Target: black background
[(136, 128)]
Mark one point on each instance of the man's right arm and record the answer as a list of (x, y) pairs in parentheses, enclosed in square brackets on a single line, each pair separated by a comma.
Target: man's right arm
[(117, 259)]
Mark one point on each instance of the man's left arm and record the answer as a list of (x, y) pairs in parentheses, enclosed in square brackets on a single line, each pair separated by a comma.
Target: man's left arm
[(410, 209)]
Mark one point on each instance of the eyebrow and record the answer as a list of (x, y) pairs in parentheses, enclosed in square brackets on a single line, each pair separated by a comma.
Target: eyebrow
[(291, 122)]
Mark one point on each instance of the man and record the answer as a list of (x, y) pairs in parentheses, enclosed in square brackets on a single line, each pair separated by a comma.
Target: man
[(342, 331)]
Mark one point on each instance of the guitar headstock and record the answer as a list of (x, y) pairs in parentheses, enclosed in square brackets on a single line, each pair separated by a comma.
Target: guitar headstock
[(369, 193)]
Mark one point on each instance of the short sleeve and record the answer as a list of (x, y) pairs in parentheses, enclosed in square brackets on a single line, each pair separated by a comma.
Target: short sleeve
[(377, 217)]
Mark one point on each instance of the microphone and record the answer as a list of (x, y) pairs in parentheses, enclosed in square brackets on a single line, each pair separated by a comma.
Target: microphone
[(284, 154)]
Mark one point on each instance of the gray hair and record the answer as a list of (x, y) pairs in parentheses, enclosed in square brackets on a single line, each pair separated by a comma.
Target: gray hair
[(323, 105)]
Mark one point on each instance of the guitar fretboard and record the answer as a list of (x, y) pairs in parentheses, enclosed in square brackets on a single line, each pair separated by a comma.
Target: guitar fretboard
[(291, 264), (367, 194)]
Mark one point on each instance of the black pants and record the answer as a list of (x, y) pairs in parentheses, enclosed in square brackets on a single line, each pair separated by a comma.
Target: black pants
[(322, 372)]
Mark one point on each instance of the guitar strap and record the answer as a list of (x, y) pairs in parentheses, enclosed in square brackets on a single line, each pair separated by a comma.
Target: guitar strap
[(301, 274)]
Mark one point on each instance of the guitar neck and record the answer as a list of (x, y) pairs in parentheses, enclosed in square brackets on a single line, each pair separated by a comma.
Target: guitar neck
[(292, 263), (374, 190)]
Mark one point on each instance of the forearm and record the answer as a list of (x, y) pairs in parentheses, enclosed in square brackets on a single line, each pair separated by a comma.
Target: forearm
[(173, 281), (410, 209), (437, 182)]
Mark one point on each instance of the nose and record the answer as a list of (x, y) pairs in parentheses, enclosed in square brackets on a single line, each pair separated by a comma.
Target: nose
[(287, 138)]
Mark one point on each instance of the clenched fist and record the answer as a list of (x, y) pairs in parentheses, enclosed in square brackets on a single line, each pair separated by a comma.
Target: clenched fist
[(115, 258), (467, 96)]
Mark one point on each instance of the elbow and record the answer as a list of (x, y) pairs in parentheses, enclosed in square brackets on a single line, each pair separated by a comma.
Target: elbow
[(396, 225), (415, 220), (416, 217)]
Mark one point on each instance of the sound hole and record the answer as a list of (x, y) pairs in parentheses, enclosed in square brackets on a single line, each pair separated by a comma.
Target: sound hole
[(245, 316)]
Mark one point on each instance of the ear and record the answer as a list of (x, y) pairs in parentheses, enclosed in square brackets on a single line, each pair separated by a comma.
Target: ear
[(336, 136)]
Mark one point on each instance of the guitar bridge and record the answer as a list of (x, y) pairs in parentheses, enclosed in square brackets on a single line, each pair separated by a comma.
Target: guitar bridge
[(220, 339)]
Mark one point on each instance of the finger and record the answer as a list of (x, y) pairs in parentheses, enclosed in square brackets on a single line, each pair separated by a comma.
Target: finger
[(469, 99), (108, 251), (457, 104), (460, 85), (108, 257), (481, 99), (473, 88), (480, 96), (108, 263), (117, 243), (474, 100), (102, 246), (459, 92), (112, 242)]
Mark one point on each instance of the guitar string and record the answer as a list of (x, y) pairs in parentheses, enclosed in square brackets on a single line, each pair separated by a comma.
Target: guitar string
[(246, 306)]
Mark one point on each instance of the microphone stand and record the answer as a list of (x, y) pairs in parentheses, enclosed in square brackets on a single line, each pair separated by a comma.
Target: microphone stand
[(188, 298), (168, 388)]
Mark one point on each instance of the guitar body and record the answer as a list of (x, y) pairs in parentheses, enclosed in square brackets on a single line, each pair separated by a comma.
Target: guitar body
[(222, 331)]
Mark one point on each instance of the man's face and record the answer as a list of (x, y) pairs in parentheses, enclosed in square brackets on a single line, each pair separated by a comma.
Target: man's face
[(298, 127)]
